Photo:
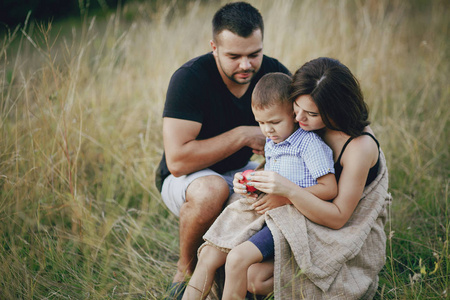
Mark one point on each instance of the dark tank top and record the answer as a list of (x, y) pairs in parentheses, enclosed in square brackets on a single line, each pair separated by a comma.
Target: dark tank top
[(372, 172)]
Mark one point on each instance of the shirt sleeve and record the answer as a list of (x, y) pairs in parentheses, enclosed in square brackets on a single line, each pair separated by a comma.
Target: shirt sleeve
[(318, 157), (183, 99)]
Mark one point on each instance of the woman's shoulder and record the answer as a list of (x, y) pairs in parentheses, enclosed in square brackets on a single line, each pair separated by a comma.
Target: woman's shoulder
[(365, 141), (363, 148)]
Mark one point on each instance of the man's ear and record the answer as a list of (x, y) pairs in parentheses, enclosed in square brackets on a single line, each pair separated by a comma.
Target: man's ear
[(213, 47)]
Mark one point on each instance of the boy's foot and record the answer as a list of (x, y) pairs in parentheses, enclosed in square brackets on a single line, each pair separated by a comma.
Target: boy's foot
[(176, 291), (251, 296)]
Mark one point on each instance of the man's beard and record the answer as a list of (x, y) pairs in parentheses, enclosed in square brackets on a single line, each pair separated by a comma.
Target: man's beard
[(232, 77), (247, 80)]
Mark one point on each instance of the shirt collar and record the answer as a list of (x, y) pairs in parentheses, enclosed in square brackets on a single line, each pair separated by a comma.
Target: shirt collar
[(290, 140)]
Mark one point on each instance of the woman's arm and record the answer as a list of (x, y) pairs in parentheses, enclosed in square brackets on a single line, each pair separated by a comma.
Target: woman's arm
[(326, 187), (358, 158)]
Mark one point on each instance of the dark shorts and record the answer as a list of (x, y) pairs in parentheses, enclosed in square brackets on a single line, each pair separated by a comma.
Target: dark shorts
[(263, 240)]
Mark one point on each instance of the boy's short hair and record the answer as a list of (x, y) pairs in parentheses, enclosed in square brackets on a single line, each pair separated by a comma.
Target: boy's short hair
[(238, 17), (272, 89)]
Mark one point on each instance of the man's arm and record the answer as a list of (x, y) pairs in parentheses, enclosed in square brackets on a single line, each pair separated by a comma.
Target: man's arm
[(185, 154)]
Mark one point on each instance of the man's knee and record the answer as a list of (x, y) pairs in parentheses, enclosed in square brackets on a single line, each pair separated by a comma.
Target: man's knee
[(208, 195), (208, 187)]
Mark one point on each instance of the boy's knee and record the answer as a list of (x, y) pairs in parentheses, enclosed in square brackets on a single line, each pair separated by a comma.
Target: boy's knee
[(235, 259), (211, 257), (243, 256)]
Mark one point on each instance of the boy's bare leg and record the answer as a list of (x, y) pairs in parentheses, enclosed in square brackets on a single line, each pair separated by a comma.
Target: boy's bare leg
[(205, 198), (236, 267), (209, 261)]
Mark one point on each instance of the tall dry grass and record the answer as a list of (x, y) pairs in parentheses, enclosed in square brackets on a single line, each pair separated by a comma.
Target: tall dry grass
[(80, 120)]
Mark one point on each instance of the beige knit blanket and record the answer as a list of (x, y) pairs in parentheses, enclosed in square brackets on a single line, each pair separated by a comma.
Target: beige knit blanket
[(313, 261)]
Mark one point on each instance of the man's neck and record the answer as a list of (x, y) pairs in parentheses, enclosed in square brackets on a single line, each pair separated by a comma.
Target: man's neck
[(238, 90)]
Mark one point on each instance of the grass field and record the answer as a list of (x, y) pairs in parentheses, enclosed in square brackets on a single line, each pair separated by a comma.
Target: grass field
[(80, 123)]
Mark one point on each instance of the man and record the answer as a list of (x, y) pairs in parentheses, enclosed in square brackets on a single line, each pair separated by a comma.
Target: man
[(209, 129)]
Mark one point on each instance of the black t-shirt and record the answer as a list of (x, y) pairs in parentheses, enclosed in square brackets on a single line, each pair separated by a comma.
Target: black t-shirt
[(197, 93)]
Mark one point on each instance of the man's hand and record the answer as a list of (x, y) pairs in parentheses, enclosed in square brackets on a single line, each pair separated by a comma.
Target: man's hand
[(255, 138)]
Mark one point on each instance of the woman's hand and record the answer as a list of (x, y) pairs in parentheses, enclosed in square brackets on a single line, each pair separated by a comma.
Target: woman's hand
[(271, 182), (269, 202), (240, 188)]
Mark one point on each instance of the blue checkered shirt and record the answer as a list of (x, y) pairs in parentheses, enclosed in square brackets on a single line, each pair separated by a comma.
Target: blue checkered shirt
[(302, 158)]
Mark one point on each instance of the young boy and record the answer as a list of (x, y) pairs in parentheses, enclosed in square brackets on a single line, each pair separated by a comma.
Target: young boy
[(299, 155)]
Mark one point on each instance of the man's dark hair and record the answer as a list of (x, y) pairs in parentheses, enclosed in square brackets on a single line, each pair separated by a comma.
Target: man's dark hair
[(335, 91), (238, 17)]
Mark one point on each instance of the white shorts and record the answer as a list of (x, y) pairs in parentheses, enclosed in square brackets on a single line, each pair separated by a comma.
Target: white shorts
[(174, 188)]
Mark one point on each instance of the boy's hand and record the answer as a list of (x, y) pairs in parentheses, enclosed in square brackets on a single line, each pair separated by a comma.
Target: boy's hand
[(269, 202)]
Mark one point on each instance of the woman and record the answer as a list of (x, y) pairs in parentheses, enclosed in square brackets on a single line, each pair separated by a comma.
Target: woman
[(327, 98)]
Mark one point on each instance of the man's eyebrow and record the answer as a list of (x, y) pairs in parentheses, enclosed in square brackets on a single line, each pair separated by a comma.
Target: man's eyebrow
[(236, 54), (256, 52)]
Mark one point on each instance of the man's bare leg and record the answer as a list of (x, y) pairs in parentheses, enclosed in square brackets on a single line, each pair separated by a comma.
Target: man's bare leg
[(205, 198)]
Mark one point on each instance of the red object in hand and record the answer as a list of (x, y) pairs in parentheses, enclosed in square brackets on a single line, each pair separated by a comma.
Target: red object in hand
[(250, 189)]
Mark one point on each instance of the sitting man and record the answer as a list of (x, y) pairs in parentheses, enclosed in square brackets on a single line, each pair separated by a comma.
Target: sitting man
[(209, 129)]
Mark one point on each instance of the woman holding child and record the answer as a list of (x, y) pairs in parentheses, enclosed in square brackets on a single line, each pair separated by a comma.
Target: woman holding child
[(323, 249)]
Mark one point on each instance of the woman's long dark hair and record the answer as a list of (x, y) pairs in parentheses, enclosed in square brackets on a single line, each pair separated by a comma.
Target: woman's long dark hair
[(335, 91)]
